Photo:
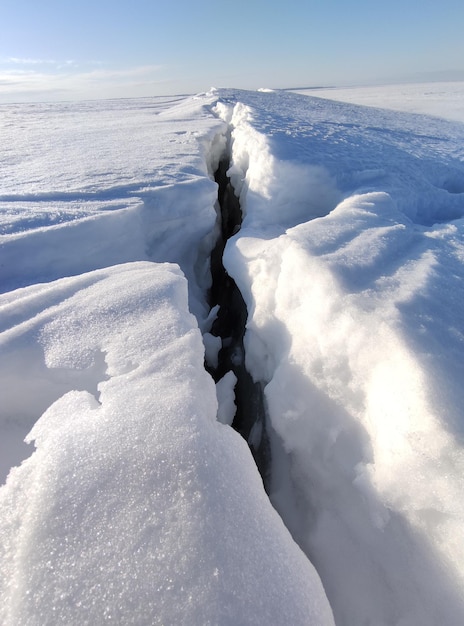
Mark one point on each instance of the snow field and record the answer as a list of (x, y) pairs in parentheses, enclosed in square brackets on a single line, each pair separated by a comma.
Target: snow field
[(350, 261), (136, 506), (97, 184), (443, 99), (350, 326), (133, 480)]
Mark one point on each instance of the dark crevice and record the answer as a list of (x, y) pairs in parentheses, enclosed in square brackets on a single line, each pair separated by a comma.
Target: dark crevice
[(230, 324)]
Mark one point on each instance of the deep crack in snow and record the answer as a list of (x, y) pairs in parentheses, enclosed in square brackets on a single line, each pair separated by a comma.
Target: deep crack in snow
[(229, 326)]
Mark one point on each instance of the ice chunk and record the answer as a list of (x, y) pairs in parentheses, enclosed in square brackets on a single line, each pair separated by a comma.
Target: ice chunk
[(226, 398)]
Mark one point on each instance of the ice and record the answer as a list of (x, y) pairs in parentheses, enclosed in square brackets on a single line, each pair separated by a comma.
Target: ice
[(226, 398), (443, 99), (92, 184), (138, 505), (353, 327), (212, 346)]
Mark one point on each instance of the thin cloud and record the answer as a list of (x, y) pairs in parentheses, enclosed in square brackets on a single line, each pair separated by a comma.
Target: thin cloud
[(128, 73), (22, 61), (34, 63), (92, 83)]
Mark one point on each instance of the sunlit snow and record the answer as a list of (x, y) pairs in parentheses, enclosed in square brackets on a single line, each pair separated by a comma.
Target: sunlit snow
[(442, 99), (135, 501)]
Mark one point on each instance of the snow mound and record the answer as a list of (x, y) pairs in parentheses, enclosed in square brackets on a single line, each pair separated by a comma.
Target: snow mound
[(137, 506), (354, 331)]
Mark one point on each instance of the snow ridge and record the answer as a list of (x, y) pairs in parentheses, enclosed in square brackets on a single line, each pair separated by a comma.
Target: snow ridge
[(348, 268), (224, 349), (374, 467), (137, 506)]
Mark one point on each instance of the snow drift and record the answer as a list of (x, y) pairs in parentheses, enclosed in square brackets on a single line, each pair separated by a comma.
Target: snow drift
[(350, 330), (350, 261), (138, 507)]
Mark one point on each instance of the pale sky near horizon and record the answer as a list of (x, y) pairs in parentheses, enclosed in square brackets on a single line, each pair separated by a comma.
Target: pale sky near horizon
[(61, 50)]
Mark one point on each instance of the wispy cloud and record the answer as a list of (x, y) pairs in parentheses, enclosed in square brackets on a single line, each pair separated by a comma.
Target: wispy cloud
[(34, 63), (28, 78), (22, 61)]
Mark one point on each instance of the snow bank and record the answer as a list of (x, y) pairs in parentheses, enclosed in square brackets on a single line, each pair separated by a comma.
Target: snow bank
[(137, 506), (257, 174), (95, 184), (355, 327)]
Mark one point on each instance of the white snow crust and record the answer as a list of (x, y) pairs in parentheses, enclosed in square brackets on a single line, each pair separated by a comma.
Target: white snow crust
[(350, 261), (443, 99), (137, 505)]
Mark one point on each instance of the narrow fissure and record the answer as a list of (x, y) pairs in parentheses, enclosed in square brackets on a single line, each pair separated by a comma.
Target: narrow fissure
[(229, 326)]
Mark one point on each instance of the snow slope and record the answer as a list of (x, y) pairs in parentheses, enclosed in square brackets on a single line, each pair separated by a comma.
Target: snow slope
[(137, 506), (91, 184), (350, 259)]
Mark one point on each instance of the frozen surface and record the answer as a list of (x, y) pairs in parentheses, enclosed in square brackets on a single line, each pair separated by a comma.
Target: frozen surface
[(138, 506), (91, 184), (350, 259), (441, 99)]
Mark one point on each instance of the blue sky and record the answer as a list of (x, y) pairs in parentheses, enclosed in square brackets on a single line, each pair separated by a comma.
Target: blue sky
[(62, 49)]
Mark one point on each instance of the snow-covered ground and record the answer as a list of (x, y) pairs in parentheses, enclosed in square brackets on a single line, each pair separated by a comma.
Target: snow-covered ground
[(441, 99), (137, 506)]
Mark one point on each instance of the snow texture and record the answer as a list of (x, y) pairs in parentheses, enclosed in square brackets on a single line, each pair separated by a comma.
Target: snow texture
[(350, 261), (137, 505), (443, 99), (226, 398)]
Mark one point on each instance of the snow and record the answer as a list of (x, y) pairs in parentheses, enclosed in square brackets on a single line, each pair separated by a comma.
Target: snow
[(355, 327), (140, 504), (443, 99), (137, 506), (212, 347), (226, 398), (94, 184)]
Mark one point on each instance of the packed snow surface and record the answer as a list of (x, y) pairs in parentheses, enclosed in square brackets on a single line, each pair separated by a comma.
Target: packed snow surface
[(350, 260), (443, 99), (138, 505)]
